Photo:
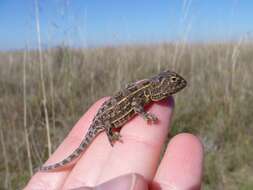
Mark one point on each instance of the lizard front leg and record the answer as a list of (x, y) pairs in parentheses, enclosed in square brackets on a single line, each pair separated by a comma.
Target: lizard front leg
[(138, 108)]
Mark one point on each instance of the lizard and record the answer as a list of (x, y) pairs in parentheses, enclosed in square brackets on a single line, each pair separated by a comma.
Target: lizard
[(124, 105)]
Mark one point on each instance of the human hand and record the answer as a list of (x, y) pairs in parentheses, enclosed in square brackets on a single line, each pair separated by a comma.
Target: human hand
[(132, 165)]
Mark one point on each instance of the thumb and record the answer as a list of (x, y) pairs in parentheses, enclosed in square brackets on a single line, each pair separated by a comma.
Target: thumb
[(125, 182)]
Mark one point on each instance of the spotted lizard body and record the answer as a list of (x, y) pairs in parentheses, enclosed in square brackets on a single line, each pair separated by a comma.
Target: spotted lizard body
[(124, 105)]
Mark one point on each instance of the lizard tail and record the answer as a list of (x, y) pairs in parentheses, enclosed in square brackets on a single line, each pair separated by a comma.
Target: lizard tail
[(67, 160), (75, 154)]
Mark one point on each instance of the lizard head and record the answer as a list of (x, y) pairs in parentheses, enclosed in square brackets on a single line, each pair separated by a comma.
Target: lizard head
[(166, 84)]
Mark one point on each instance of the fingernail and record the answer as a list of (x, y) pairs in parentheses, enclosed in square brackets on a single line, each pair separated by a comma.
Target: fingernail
[(171, 101)]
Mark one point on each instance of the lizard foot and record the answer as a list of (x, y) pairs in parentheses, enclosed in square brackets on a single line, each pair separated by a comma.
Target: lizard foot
[(114, 136)]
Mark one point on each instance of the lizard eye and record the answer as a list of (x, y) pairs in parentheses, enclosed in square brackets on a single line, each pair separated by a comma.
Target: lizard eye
[(173, 79)]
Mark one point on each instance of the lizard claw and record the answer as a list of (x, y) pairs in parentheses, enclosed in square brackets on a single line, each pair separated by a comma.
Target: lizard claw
[(115, 137)]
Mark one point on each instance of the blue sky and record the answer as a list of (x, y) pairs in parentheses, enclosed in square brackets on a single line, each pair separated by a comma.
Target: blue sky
[(92, 22)]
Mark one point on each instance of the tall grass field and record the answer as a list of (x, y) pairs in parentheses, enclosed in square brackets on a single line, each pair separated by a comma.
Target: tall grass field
[(43, 93)]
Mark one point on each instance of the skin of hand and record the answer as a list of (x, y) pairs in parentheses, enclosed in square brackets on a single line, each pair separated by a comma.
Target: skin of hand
[(134, 164)]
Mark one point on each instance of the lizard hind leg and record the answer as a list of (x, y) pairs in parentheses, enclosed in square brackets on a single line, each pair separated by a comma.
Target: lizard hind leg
[(113, 136)]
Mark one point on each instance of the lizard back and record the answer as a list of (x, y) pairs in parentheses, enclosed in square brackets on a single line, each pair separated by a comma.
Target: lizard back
[(118, 109)]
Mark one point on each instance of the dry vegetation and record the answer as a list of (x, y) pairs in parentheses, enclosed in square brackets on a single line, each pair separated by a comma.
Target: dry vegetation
[(216, 106)]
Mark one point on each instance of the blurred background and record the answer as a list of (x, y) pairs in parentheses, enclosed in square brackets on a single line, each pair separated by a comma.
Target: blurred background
[(57, 57)]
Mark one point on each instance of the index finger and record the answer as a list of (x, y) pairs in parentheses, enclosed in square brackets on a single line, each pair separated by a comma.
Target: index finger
[(142, 144)]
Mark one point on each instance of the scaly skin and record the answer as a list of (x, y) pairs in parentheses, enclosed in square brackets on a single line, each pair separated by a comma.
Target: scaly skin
[(124, 105)]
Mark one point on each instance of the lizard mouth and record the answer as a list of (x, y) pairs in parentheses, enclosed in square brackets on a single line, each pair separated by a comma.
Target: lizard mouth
[(182, 84)]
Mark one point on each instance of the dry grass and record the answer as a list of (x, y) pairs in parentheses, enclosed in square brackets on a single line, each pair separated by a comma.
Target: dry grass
[(216, 106)]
